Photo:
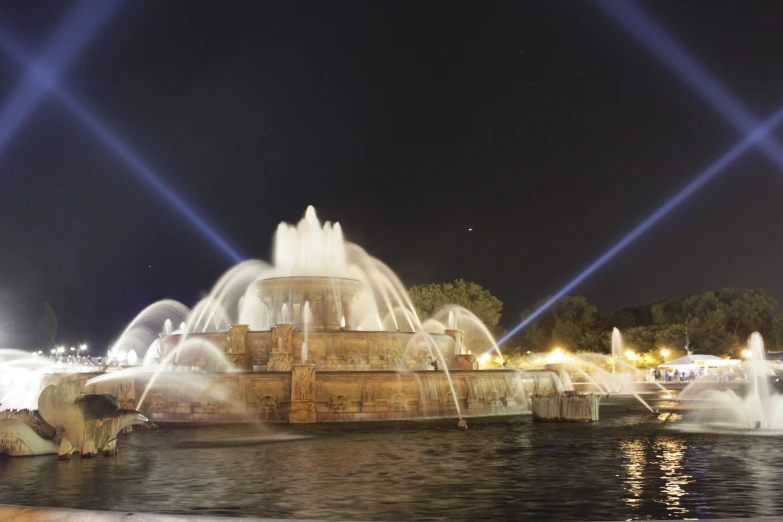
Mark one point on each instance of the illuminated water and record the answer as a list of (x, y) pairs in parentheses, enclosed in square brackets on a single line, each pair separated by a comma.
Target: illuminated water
[(630, 465), (759, 408)]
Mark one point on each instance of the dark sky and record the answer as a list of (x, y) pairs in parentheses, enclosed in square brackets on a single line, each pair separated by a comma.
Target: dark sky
[(541, 125)]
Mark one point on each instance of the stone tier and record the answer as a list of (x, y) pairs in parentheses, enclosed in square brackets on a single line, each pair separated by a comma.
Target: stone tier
[(307, 395), (328, 350)]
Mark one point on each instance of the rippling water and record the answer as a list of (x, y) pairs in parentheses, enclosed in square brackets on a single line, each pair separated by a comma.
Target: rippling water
[(630, 465)]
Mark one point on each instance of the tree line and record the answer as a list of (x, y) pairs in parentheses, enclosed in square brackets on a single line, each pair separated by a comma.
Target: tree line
[(714, 322)]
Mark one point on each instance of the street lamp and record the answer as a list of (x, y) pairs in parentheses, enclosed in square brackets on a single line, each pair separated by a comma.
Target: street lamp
[(746, 354), (665, 353), (60, 349), (83, 348)]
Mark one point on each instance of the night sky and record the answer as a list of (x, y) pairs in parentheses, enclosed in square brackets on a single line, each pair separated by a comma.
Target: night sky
[(541, 125)]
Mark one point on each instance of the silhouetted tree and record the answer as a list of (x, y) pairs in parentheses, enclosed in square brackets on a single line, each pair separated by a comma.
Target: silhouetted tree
[(431, 297)]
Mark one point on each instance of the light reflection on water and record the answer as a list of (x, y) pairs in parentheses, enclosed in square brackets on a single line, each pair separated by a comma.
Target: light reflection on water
[(630, 465)]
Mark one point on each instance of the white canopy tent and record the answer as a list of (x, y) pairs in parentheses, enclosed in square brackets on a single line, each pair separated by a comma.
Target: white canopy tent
[(694, 361)]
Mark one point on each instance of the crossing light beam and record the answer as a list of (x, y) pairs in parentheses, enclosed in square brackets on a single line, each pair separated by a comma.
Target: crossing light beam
[(686, 192)]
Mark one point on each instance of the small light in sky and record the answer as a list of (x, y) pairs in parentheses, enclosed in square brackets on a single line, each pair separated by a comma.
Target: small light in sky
[(150, 266), (470, 230)]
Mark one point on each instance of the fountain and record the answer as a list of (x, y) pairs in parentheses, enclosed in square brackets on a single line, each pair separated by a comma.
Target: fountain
[(757, 407), (326, 333), (66, 421)]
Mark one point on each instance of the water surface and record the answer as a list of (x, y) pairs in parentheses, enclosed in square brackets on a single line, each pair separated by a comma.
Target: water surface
[(630, 465)]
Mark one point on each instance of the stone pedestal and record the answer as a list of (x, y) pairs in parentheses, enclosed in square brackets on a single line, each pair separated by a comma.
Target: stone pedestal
[(236, 347), (283, 337), (566, 408), (282, 356), (302, 394), (458, 336), (465, 361), (280, 362)]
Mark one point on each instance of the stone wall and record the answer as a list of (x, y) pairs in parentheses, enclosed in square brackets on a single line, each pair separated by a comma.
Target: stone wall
[(328, 350), (335, 396)]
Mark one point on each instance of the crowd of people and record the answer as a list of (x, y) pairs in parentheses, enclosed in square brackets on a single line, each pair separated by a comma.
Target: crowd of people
[(722, 374)]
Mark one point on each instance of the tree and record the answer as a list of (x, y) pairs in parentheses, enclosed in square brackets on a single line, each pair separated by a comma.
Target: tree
[(568, 322), (661, 314), (709, 335), (748, 311), (776, 336), (431, 297)]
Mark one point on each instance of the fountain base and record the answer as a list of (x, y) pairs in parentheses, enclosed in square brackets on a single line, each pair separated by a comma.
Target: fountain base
[(305, 395), (566, 408)]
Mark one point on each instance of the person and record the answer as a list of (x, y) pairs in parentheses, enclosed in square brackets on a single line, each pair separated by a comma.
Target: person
[(676, 375), (435, 365)]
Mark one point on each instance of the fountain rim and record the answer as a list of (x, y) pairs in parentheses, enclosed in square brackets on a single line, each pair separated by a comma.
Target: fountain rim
[(313, 332), (276, 278)]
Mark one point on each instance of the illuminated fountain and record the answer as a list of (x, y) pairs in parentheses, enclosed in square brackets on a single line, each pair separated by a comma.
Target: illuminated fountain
[(602, 374), (757, 407), (23, 375), (326, 333)]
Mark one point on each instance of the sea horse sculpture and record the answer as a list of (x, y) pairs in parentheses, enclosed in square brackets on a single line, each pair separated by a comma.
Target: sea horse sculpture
[(66, 421)]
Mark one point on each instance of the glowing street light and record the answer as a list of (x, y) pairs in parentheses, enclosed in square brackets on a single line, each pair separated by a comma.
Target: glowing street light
[(60, 349), (73, 348), (557, 356), (665, 352), (746, 353), (629, 354)]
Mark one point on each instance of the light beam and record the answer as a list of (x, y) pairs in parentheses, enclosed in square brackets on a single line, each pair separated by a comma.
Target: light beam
[(689, 70), (139, 167), (80, 25), (686, 192)]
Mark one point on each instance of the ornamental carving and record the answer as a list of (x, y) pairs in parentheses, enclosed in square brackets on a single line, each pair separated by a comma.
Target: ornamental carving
[(302, 406), (14, 446), (158, 403), (267, 406), (370, 393), (33, 420), (398, 402), (280, 362), (237, 360), (393, 358), (237, 339), (338, 403), (493, 398), (125, 394), (304, 380), (448, 400), (283, 335)]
